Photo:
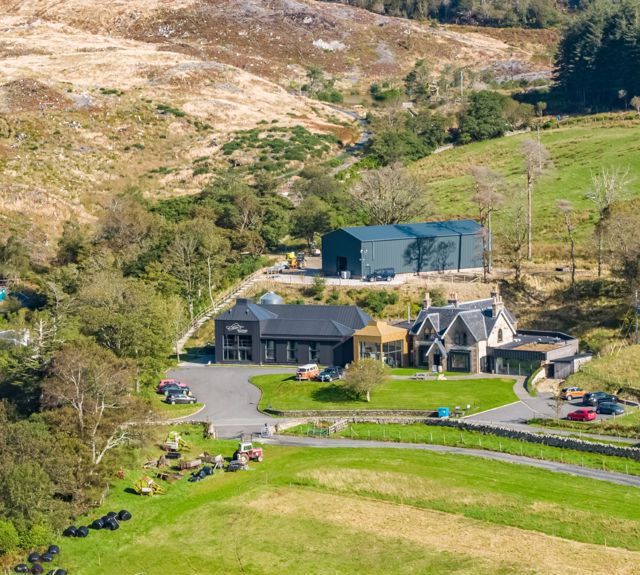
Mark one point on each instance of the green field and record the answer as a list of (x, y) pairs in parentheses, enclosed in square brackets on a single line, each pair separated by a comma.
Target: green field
[(283, 392), (420, 433), (409, 371), (578, 151), (330, 511)]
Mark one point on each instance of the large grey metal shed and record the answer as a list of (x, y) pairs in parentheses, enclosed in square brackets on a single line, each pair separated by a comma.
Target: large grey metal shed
[(408, 248)]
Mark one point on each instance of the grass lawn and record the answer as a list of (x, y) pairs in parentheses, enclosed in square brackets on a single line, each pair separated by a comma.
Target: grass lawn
[(419, 433), (413, 370), (327, 511), (578, 151), (283, 392)]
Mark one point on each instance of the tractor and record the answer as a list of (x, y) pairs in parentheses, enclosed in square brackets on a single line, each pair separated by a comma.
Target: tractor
[(247, 452), (147, 486), (174, 442)]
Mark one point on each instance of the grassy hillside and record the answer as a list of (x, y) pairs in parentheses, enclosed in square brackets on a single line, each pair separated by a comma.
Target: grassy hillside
[(578, 151), (306, 511)]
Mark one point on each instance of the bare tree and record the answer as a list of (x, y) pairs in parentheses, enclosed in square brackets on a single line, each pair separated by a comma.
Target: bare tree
[(389, 195), (183, 260), (622, 231), (487, 184), (536, 159), (514, 239), (607, 187), (635, 102), (566, 209), (94, 384)]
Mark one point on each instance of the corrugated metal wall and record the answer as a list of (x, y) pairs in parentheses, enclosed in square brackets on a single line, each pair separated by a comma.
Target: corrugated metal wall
[(411, 255)]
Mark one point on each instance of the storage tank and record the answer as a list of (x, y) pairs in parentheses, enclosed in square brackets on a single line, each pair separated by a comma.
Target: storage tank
[(271, 298)]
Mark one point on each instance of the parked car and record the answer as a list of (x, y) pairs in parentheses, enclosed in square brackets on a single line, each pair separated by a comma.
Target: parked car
[(384, 274), (174, 398), (173, 389), (307, 372), (570, 393), (582, 415), (597, 397), (609, 408), (166, 382), (330, 373)]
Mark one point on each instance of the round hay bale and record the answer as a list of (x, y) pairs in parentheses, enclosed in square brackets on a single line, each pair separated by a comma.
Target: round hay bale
[(60, 572), (21, 568), (124, 515), (46, 557), (70, 531), (112, 524), (33, 557), (207, 470), (112, 514), (36, 569), (97, 524), (53, 549), (82, 531)]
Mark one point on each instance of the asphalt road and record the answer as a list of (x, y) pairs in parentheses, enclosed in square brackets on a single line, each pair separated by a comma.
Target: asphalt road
[(609, 476), (231, 402)]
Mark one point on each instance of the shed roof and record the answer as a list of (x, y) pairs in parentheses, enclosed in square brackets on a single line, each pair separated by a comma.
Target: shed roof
[(418, 230)]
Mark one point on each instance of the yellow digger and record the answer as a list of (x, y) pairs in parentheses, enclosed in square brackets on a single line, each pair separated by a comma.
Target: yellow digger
[(295, 261)]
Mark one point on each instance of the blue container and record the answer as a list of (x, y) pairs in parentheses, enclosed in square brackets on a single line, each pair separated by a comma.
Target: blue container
[(443, 412), (3, 294)]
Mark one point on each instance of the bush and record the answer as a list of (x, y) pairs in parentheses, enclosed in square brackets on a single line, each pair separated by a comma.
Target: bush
[(375, 301), (38, 536), (9, 538)]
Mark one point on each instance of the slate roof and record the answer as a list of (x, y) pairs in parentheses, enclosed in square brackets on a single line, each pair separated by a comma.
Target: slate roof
[(477, 315), (419, 230), (321, 321)]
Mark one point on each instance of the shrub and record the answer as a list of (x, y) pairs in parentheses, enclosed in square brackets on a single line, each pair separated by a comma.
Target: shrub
[(9, 538), (38, 536)]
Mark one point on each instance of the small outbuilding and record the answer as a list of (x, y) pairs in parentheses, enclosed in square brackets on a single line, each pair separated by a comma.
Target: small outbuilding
[(407, 248), (381, 341)]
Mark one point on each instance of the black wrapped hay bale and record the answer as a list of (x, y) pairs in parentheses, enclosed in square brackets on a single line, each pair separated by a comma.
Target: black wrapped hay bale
[(57, 572), (70, 531), (36, 569), (53, 549), (97, 524), (21, 568), (82, 532), (112, 514), (46, 557), (124, 515), (33, 557), (112, 524), (207, 470)]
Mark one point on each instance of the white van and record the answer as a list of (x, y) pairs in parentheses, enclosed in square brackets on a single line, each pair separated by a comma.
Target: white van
[(307, 372)]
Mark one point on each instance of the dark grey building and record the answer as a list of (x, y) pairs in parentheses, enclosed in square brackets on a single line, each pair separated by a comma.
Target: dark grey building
[(281, 333), (408, 248)]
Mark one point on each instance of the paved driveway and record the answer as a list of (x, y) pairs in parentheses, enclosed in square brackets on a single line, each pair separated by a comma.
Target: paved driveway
[(231, 402)]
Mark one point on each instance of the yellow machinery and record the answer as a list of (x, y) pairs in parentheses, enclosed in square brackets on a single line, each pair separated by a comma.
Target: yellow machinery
[(147, 486), (174, 442), (295, 261)]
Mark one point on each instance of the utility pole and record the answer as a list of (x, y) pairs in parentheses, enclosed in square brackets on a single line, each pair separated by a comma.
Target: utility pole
[(636, 310)]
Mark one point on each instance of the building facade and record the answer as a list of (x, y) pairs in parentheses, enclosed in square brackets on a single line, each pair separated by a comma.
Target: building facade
[(278, 334), (407, 248)]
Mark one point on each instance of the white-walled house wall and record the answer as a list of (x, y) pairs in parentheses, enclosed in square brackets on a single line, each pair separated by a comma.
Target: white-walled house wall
[(508, 333)]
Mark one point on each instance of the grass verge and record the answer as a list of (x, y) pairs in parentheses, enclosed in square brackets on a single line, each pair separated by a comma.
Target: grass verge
[(623, 426), (419, 433), (283, 392)]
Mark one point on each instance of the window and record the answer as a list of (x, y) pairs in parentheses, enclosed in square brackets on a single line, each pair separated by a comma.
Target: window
[(313, 351), (393, 353), (292, 351), (460, 338), (369, 350), (270, 350), (237, 347), (459, 361), (500, 337)]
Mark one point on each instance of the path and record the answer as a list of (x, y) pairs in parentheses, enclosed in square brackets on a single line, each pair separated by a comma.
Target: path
[(609, 476)]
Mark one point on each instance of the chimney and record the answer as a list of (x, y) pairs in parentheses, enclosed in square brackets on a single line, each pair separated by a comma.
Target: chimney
[(426, 303), (453, 299), (497, 306)]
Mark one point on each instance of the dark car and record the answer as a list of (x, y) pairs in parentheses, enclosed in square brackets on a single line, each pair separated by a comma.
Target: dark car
[(609, 408), (384, 274), (596, 397), (175, 390), (180, 398), (330, 373)]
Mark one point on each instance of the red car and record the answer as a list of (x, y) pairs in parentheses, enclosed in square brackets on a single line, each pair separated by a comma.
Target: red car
[(582, 415), (166, 382)]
